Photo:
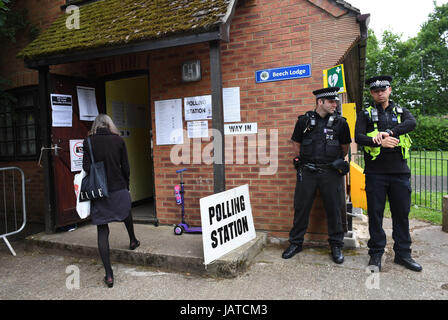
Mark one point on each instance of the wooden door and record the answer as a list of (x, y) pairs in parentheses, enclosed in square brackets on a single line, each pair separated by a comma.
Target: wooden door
[(63, 176)]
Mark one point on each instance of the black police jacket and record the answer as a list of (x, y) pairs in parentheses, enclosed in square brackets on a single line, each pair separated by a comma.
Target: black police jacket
[(322, 142), (390, 160)]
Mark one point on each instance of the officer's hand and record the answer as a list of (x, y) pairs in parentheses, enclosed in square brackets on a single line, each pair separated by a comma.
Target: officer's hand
[(389, 142), (378, 139)]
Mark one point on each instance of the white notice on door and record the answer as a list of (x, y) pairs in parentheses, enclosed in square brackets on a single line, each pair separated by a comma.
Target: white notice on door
[(76, 154), (62, 110), (88, 110)]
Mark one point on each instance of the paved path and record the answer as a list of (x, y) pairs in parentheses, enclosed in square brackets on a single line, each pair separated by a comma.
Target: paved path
[(309, 275)]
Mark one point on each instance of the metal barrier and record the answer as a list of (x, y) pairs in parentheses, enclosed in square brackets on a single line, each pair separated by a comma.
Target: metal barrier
[(10, 205), (429, 177)]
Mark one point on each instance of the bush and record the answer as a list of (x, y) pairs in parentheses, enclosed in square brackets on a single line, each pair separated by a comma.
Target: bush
[(431, 133)]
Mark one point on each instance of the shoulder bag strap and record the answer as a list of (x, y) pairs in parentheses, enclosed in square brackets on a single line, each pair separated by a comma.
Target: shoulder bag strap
[(90, 149)]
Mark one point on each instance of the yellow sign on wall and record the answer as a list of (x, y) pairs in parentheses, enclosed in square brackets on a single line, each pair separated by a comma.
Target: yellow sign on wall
[(349, 112), (335, 77)]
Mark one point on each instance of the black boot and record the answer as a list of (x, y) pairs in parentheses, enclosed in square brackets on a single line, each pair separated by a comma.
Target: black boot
[(336, 254), (375, 263), (408, 262), (291, 251)]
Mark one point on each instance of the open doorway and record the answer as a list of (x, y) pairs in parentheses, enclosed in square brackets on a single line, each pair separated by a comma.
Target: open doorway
[(127, 103)]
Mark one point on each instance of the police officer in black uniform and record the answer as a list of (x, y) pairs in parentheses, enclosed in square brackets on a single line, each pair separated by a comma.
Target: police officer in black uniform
[(382, 130), (321, 139)]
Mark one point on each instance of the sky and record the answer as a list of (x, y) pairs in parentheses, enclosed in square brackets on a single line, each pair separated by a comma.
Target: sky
[(399, 16)]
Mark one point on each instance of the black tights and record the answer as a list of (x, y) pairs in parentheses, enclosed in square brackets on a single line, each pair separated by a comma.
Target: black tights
[(103, 242)]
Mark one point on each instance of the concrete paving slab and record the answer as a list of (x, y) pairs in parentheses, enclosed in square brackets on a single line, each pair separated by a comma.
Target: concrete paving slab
[(311, 274), (159, 248)]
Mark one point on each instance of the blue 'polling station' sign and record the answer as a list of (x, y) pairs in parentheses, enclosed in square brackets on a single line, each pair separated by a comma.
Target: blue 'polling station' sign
[(283, 73)]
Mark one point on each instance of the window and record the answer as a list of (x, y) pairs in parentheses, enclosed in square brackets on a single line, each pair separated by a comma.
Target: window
[(19, 136)]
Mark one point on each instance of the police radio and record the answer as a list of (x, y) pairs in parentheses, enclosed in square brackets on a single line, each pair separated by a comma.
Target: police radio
[(374, 115), (330, 122)]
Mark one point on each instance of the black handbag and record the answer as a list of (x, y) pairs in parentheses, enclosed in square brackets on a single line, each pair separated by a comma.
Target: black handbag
[(94, 185)]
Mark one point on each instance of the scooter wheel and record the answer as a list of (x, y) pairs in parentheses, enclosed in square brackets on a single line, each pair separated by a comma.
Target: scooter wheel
[(178, 230)]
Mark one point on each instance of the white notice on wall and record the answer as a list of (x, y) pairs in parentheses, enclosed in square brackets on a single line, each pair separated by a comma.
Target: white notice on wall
[(240, 128), (169, 122), (197, 129), (198, 108), (62, 110), (227, 223), (231, 104), (88, 109), (76, 154)]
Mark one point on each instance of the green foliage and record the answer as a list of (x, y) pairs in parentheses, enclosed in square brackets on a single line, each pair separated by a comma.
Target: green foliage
[(418, 65), (12, 21), (431, 133), (433, 41)]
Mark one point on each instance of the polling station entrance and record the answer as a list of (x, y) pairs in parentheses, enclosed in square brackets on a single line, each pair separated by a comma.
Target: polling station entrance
[(128, 104), (74, 104)]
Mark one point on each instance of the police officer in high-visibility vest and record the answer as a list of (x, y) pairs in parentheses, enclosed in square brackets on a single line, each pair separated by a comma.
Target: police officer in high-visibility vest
[(321, 140), (382, 129)]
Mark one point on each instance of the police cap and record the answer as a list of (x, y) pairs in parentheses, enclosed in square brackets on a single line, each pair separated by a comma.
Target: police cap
[(330, 93), (379, 82)]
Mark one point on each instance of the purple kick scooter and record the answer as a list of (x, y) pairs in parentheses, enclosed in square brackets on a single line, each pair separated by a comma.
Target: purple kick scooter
[(179, 193)]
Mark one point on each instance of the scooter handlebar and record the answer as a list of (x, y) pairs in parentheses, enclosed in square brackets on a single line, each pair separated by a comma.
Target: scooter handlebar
[(181, 170)]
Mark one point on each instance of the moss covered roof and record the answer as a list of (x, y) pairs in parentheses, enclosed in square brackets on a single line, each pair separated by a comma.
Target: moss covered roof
[(119, 22)]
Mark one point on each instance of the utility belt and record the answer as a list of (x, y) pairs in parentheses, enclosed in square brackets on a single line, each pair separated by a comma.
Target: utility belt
[(339, 165), (317, 167)]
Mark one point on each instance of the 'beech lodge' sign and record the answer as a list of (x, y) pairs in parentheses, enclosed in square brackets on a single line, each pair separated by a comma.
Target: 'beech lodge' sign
[(227, 222), (283, 73)]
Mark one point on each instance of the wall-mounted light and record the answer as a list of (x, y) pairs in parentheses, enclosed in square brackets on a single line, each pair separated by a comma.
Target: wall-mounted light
[(191, 71)]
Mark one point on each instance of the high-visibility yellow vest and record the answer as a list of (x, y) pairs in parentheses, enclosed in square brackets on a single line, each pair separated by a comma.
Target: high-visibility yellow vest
[(405, 140)]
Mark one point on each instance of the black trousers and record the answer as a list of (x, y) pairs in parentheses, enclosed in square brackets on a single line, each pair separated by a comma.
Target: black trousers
[(397, 188), (329, 183)]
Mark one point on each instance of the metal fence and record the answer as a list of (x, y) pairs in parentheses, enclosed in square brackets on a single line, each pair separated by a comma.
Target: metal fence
[(429, 177), (12, 202)]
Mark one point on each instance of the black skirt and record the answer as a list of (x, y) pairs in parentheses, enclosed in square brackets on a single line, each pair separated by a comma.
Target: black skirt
[(114, 208)]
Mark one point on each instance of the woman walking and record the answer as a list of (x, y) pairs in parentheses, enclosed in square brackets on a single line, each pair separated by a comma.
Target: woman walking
[(109, 147)]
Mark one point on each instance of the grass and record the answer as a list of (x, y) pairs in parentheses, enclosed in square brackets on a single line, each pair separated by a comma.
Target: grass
[(429, 163)]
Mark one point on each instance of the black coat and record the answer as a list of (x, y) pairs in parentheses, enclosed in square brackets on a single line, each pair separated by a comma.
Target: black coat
[(111, 149)]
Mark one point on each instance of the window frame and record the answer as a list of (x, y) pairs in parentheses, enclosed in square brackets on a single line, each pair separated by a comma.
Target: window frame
[(15, 111)]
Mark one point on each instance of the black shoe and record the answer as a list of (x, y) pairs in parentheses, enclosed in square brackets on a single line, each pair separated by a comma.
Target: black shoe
[(134, 245), (109, 281), (408, 263), (291, 251), (336, 254), (375, 262)]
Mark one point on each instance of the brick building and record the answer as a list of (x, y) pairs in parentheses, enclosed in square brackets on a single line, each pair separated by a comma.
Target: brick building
[(132, 53)]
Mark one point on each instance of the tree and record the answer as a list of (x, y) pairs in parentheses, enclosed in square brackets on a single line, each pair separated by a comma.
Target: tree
[(418, 65), (432, 40)]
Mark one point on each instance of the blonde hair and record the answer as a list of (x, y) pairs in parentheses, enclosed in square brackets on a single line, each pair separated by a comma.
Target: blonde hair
[(103, 121)]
